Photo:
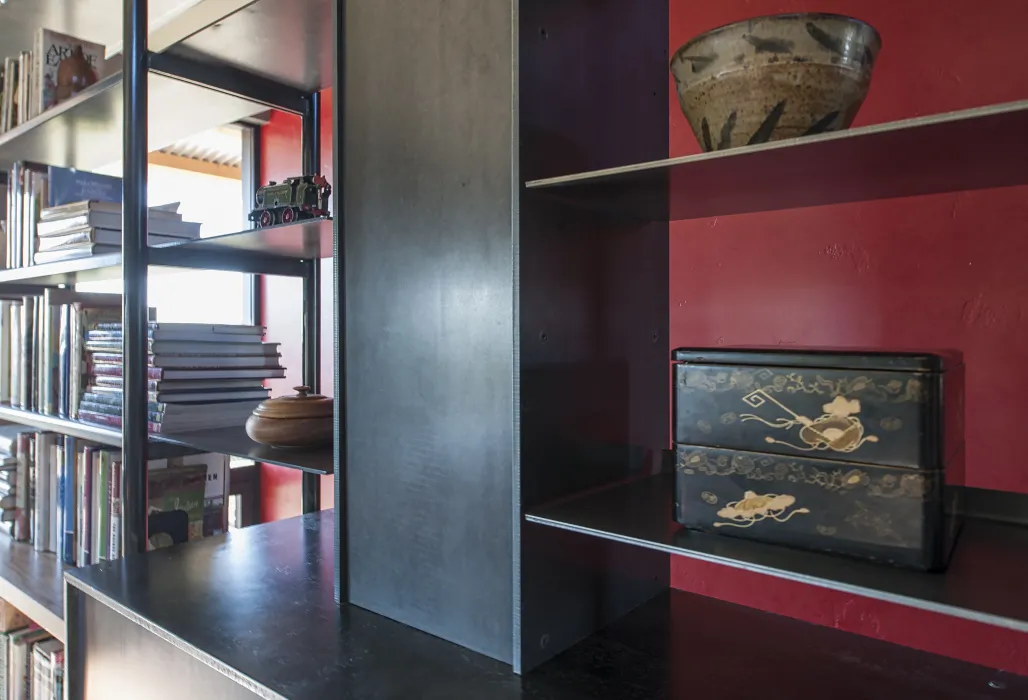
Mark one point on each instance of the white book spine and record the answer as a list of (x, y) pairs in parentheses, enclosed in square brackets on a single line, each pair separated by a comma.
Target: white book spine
[(15, 389)]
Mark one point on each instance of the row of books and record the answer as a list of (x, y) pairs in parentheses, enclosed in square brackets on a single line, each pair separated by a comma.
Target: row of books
[(200, 376), (57, 67), (55, 213), (65, 495), (31, 660), (42, 347)]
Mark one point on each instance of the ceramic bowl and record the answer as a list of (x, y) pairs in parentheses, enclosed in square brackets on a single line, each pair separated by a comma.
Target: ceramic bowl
[(775, 77)]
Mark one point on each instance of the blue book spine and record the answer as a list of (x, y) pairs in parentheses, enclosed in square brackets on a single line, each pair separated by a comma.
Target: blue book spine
[(59, 473), (68, 500), (68, 185)]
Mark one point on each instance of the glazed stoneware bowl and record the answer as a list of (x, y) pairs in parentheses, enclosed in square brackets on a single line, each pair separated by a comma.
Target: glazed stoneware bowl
[(300, 420), (776, 77)]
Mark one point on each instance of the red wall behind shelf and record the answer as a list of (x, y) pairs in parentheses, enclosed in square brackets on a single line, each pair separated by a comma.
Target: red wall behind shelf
[(931, 272), (944, 271), (282, 311)]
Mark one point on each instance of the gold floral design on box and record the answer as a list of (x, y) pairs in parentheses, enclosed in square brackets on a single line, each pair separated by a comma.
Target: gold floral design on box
[(750, 380), (837, 429), (766, 468), (753, 508)]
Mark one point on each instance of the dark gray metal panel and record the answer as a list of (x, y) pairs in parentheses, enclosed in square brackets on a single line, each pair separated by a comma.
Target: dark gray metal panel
[(428, 162), (120, 659), (285, 40), (593, 314)]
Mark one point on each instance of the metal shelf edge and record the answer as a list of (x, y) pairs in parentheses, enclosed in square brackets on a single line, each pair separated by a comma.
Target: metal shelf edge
[(787, 144)]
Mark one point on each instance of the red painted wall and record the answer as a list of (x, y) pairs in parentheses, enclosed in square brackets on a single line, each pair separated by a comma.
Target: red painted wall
[(282, 312), (944, 271)]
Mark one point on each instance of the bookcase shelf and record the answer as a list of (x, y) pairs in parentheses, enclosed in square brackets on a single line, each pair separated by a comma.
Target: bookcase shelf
[(981, 584), (277, 250), (286, 41), (85, 131), (229, 441), (965, 150), (676, 645), (32, 582)]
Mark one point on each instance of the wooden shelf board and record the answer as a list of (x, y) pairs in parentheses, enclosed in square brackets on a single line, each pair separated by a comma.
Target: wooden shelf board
[(274, 250), (230, 441), (966, 150), (32, 582), (983, 582), (86, 131)]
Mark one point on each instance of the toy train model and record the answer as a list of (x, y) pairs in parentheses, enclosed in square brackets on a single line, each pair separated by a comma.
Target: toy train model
[(296, 198)]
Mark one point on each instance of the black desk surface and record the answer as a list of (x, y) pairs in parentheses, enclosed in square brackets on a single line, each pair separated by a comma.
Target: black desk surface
[(259, 604)]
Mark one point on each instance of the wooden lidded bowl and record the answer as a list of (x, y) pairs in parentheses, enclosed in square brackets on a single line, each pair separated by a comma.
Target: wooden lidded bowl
[(776, 77), (302, 420)]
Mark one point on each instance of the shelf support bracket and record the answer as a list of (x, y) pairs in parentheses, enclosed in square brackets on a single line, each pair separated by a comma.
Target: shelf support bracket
[(310, 146)]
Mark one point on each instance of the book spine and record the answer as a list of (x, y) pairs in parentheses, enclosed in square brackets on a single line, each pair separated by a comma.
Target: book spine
[(54, 525), (39, 362), (114, 551), (25, 370), (64, 359), (113, 421), (15, 331), (21, 522), (76, 359), (98, 497), (5, 351), (114, 370), (41, 492), (70, 498), (85, 530)]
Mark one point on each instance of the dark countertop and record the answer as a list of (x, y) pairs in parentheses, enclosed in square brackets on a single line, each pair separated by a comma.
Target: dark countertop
[(258, 605)]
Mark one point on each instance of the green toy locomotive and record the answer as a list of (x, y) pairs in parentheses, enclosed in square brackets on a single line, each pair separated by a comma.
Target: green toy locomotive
[(304, 197)]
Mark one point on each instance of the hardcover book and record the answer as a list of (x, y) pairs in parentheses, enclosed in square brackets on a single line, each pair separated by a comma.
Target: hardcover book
[(64, 65)]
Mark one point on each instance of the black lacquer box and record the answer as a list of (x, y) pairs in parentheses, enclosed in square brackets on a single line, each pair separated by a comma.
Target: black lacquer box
[(845, 452)]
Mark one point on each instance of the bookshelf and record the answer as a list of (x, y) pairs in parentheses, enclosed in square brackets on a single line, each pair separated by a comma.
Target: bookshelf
[(147, 101), (500, 367)]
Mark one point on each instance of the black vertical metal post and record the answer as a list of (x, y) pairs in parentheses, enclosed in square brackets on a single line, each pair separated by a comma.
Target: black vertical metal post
[(310, 145), (342, 575), (134, 274)]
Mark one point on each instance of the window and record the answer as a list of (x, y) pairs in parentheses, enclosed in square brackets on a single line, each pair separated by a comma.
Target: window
[(204, 175)]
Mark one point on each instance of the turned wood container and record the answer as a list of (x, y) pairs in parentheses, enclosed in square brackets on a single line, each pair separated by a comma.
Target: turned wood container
[(299, 420)]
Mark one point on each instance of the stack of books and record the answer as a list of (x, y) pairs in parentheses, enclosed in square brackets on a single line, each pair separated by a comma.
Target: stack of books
[(54, 213), (65, 495), (57, 67), (31, 661), (92, 227), (200, 376)]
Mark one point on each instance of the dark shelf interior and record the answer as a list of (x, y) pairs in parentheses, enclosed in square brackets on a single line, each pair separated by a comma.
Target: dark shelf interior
[(229, 441), (983, 582), (275, 250), (678, 645), (33, 582), (967, 150)]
